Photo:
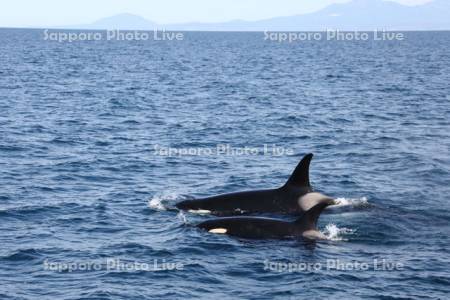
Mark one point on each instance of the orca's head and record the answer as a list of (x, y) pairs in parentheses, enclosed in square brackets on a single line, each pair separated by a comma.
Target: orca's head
[(309, 200)]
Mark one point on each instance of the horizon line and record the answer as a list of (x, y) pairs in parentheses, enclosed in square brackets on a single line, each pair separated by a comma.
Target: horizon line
[(230, 31)]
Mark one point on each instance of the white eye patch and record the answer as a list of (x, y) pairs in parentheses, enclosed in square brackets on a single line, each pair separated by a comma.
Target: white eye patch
[(200, 211), (218, 230)]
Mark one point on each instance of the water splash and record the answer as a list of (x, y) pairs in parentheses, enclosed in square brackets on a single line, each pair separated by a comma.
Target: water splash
[(334, 233), (156, 203), (182, 217), (160, 200), (354, 202)]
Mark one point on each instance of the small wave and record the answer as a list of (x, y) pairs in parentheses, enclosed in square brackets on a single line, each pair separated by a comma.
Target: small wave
[(355, 202), (23, 255), (34, 209), (334, 233), (9, 148)]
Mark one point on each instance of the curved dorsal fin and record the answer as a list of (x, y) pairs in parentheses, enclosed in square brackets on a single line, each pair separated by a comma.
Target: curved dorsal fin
[(309, 218), (300, 176)]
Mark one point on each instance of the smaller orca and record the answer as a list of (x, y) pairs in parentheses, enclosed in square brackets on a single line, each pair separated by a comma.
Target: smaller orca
[(266, 228), (285, 199)]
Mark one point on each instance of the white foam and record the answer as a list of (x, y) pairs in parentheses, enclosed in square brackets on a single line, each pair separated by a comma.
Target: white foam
[(157, 202), (334, 233), (355, 202), (182, 217)]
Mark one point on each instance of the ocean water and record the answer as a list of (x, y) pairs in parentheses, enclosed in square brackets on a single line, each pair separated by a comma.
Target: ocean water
[(84, 181)]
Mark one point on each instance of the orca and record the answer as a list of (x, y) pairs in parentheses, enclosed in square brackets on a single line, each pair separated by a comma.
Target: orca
[(304, 227), (280, 200)]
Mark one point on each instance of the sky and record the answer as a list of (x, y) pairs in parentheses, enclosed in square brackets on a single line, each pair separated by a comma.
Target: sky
[(33, 13)]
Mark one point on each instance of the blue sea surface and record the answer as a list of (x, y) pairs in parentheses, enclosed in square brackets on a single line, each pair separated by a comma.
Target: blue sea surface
[(82, 181)]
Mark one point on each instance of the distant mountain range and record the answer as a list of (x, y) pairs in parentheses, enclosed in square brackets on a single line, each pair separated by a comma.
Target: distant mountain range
[(366, 15)]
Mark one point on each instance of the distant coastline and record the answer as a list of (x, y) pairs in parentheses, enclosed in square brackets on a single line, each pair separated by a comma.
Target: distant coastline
[(356, 15)]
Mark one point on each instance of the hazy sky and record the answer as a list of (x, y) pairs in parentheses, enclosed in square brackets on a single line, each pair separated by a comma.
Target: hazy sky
[(22, 13)]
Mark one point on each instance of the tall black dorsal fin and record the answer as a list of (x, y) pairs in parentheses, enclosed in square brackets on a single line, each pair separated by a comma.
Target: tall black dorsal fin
[(300, 176)]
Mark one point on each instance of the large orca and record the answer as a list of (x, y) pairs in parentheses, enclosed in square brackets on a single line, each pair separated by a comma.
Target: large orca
[(281, 200), (264, 228)]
